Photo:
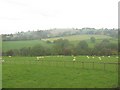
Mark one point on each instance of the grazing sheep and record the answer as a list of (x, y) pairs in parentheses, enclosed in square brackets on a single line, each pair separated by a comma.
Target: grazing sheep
[(93, 57), (109, 56), (74, 60), (9, 56), (99, 58), (38, 58), (88, 57)]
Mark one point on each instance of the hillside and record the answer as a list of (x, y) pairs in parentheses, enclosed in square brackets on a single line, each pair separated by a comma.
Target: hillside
[(74, 39), (58, 32), (79, 37)]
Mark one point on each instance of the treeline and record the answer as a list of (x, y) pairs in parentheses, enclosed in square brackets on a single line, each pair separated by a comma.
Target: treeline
[(42, 34), (64, 47)]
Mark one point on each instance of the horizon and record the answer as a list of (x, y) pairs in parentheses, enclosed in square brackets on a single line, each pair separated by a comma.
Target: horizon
[(54, 29), (25, 15)]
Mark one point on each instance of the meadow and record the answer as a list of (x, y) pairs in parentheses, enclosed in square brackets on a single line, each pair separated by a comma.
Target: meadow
[(74, 39), (60, 72), (79, 37)]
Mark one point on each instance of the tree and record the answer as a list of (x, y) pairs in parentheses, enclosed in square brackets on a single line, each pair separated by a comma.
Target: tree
[(61, 46), (10, 53), (93, 39), (82, 48), (38, 50)]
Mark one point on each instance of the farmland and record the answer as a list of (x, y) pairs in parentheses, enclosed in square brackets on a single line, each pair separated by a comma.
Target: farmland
[(74, 39), (80, 37), (59, 72), (57, 69)]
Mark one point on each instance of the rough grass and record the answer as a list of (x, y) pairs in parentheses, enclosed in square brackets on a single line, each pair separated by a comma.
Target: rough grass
[(58, 72)]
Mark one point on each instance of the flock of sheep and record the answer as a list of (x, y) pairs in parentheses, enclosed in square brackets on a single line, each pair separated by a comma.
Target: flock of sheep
[(93, 57), (74, 58), (41, 58)]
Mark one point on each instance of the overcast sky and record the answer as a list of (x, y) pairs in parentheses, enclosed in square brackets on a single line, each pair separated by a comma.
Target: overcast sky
[(24, 15)]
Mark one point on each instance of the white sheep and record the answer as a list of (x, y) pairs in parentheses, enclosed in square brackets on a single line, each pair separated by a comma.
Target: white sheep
[(99, 58), (88, 57), (9, 56), (38, 58), (109, 56), (74, 60), (93, 57)]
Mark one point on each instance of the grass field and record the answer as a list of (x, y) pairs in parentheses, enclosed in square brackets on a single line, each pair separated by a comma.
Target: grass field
[(74, 39), (59, 72), (80, 37), (7, 45)]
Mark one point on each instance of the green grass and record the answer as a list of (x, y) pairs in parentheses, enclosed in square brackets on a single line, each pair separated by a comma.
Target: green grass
[(79, 37), (59, 72), (74, 39), (7, 45)]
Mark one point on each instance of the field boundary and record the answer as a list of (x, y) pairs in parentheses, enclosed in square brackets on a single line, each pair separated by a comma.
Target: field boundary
[(67, 63)]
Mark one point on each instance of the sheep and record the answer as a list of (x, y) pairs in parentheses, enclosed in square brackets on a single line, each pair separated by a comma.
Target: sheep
[(38, 58), (9, 56), (109, 56), (93, 57), (102, 56), (88, 57), (99, 58), (74, 60)]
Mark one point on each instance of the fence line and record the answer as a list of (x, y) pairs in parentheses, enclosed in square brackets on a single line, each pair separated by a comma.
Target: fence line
[(65, 63)]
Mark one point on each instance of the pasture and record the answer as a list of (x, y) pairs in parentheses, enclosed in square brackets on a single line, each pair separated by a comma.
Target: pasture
[(7, 45), (79, 37), (60, 72), (74, 39)]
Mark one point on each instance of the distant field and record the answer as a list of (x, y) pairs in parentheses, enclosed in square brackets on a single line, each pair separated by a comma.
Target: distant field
[(7, 45), (79, 37), (74, 39), (59, 72)]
